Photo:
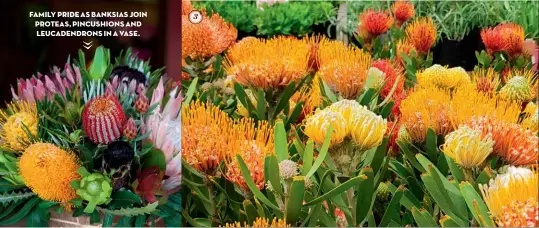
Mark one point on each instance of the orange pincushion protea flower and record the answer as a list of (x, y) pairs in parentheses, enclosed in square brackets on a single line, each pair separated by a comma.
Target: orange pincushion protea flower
[(403, 11), (187, 7), (486, 81), (426, 108), (208, 38), (515, 144), (206, 130), (375, 23), (267, 64), (404, 46), (343, 68), (493, 40), (422, 34), (261, 222), (314, 42), (513, 37), (311, 96), (48, 171), (252, 144)]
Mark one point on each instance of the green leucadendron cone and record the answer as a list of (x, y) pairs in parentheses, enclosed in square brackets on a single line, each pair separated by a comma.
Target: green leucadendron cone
[(94, 188)]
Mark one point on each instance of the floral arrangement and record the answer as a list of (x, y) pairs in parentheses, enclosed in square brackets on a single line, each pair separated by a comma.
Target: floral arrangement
[(101, 140), (290, 132)]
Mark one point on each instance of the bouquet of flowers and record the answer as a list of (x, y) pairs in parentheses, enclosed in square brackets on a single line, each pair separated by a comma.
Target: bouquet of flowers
[(102, 140)]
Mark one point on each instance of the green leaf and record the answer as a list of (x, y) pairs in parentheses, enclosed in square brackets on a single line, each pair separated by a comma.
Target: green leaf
[(410, 156), (285, 98), (367, 97), (191, 91), (476, 205), (250, 210), (485, 176), (295, 200), (141, 220), (432, 150), (327, 91), (154, 157), (456, 171), (272, 167), (323, 152), (261, 105), (9, 197), (38, 218), (131, 211), (439, 194), (47, 204), (242, 97), (251, 184), (22, 212), (387, 110), (393, 209), (95, 217), (125, 222), (107, 220), (308, 157), (339, 189), (122, 199), (423, 218), (281, 141), (99, 64), (365, 195)]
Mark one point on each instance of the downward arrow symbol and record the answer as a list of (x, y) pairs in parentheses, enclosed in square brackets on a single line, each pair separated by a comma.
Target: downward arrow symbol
[(87, 45)]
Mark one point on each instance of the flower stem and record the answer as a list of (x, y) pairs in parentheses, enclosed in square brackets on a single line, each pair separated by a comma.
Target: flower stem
[(351, 204)]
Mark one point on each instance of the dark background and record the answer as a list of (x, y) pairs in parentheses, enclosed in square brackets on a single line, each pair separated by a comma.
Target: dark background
[(23, 54)]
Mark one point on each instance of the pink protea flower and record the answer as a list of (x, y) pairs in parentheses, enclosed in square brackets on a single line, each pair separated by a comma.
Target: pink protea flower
[(103, 119), (164, 125), (130, 129), (47, 86)]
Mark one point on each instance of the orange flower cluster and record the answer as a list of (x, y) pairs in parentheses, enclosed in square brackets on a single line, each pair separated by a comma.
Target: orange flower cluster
[(486, 81), (515, 144), (208, 38), (310, 95), (187, 7), (403, 11), (374, 23), (267, 64), (422, 34), (343, 68), (507, 37), (252, 144), (394, 77)]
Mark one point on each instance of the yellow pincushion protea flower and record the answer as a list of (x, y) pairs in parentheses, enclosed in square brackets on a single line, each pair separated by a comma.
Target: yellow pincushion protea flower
[(512, 200), (317, 125), (268, 64), (367, 129), (531, 117), (347, 108), (343, 68), (48, 171), (13, 121), (520, 86), (426, 108), (206, 130), (261, 222), (468, 147), (422, 34), (311, 96), (443, 77), (252, 141)]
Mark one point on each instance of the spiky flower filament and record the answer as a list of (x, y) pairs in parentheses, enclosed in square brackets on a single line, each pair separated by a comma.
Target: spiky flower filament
[(310, 95), (261, 222), (493, 40), (206, 132), (16, 123), (103, 119), (367, 130), (443, 77), (531, 117), (268, 64), (468, 147), (317, 126), (343, 68), (217, 34), (48, 171), (393, 74), (252, 141), (513, 36), (513, 143), (513, 202), (375, 23), (520, 85), (422, 34), (486, 80)]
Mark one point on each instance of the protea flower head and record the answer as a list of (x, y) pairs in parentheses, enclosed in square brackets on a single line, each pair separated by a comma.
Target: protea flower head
[(142, 103), (130, 129), (268, 64), (49, 171), (422, 34), (375, 79), (367, 129), (343, 68), (531, 117), (288, 169), (94, 188), (14, 121), (392, 75), (218, 36), (468, 147), (252, 144), (516, 89), (164, 125), (513, 143), (375, 22), (317, 125), (513, 37), (187, 7), (486, 81), (48, 86), (103, 119), (493, 40), (261, 222), (513, 201), (403, 11), (347, 108), (443, 77)]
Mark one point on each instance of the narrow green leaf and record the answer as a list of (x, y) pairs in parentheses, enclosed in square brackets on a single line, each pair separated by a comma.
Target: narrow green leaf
[(281, 141), (447, 221), (456, 171), (9, 197), (250, 211), (432, 150), (410, 156), (308, 157), (131, 211), (99, 64), (21, 213), (242, 96), (329, 94), (251, 184), (261, 105), (323, 152), (295, 200), (365, 194), (423, 218), (339, 189), (284, 99), (392, 210), (367, 97), (107, 220), (191, 91), (476, 205), (140, 220), (273, 174)]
